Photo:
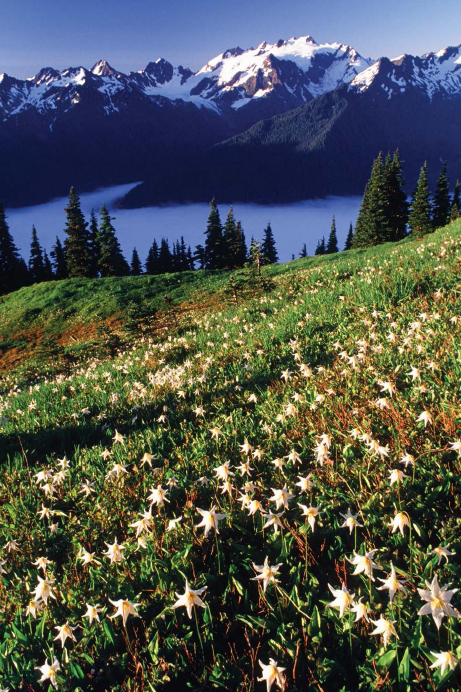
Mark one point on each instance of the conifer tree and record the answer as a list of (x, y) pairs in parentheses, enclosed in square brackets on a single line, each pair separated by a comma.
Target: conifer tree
[(303, 252), (48, 269), (442, 201), (349, 238), (214, 243), (190, 259), (165, 257), (320, 249), (373, 225), (58, 256), (111, 261), (241, 253), (13, 269), (136, 266), (455, 210), (199, 256), (76, 244), (183, 261), (332, 245), (93, 244), (152, 263), (269, 251), (419, 218), (255, 256), (230, 240), (395, 198), (36, 264), (360, 232)]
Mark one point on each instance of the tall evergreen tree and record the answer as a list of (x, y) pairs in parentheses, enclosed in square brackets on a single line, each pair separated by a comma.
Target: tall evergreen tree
[(396, 205), (13, 269), (152, 263), (442, 201), (332, 245), (419, 219), (111, 261), (455, 210), (76, 244), (349, 238), (303, 252), (373, 225), (269, 251), (136, 266), (36, 264), (231, 241), (93, 244), (215, 252), (165, 257), (241, 253), (48, 269), (183, 261), (58, 256)]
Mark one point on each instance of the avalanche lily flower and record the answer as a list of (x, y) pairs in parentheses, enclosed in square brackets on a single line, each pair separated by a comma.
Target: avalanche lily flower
[(44, 590), (399, 522), (124, 609), (272, 673), (384, 627), (267, 573), (88, 558), (49, 671), (441, 552), (65, 631), (189, 599), (443, 660), (273, 520), (158, 496), (393, 584), (115, 551), (281, 497), (396, 476), (311, 513), (361, 611), (343, 599), (438, 601), (350, 521), (210, 519), (364, 563), (306, 484), (92, 613), (425, 417)]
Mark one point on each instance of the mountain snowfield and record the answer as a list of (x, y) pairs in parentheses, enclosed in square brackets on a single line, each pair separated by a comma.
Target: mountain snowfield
[(295, 70)]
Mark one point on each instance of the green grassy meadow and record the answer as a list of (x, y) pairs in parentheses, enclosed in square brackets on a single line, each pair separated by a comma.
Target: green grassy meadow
[(316, 407)]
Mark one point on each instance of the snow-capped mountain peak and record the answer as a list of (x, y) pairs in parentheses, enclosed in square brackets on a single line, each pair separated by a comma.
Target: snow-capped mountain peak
[(246, 85), (431, 74), (103, 69)]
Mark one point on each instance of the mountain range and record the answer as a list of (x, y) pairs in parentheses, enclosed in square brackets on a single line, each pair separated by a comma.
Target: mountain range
[(281, 122)]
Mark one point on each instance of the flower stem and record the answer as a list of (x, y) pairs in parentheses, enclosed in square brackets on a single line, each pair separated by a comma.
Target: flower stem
[(198, 634), (217, 553)]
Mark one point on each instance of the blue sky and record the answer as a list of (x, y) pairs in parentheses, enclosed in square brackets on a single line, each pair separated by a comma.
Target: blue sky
[(130, 33)]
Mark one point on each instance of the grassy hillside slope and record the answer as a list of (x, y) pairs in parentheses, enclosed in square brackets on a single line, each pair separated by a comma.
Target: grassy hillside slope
[(334, 386)]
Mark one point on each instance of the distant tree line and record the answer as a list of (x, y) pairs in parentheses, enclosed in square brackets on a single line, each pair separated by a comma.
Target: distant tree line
[(385, 215), (91, 250)]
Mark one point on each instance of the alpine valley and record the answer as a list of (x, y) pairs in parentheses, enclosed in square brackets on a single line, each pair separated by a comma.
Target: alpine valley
[(283, 122)]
